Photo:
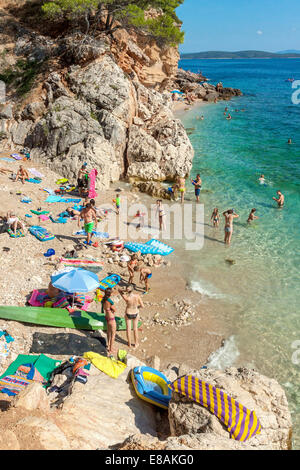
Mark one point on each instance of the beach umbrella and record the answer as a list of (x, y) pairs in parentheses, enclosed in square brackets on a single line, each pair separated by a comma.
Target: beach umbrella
[(75, 280)]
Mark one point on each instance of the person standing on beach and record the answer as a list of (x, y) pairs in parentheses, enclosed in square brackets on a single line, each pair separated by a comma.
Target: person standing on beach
[(181, 187), (198, 185), (280, 199), (89, 218), (82, 179), (131, 266), (109, 309), (133, 304), (229, 216), (160, 211)]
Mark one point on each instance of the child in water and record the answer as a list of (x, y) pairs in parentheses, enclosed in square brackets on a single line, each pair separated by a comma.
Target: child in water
[(252, 216), (215, 217)]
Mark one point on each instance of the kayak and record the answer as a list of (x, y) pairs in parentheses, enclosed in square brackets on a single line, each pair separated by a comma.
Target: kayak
[(59, 317), (152, 386)]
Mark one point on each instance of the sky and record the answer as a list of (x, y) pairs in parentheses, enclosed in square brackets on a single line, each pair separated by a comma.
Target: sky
[(235, 25)]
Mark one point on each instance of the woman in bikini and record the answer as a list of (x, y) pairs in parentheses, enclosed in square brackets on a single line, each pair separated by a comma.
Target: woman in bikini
[(133, 303), (160, 211), (109, 309)]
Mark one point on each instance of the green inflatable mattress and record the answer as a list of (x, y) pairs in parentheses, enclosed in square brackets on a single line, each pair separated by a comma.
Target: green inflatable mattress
[(58, 317)]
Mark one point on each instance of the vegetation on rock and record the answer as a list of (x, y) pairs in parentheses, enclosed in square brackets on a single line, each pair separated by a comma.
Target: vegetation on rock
[(156, 17)]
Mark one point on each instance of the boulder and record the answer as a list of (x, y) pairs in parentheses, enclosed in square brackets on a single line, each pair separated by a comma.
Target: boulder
[(33, 397), (259, 393)]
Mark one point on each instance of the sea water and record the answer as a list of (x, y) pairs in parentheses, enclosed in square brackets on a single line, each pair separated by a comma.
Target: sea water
[(254, 283)]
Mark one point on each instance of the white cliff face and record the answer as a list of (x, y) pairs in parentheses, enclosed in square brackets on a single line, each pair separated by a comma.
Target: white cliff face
[(96, 112)]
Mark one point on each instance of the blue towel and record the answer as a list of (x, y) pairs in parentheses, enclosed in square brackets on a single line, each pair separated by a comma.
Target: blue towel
[(52, 198)]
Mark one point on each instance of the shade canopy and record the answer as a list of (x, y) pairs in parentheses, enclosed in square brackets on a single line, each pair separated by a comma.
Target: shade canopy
[(75, 280)]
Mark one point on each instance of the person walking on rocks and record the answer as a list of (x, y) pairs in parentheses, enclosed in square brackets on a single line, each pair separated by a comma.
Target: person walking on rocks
[(133, 304), (181, 186)]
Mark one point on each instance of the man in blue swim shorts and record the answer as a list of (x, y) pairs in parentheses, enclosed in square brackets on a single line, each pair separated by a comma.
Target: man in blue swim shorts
[(198, 184)]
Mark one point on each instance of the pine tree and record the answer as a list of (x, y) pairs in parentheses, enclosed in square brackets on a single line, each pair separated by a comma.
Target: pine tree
[(110, 15)]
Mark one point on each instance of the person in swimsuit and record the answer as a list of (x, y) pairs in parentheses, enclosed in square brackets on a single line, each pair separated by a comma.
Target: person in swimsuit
[(280, 199), (252, 216), (89, 218), (198, 185), (109, 309), (22, 175), (132, 265), (145, 275), (181, 187), (133, 303), (14, 223), (160, 211), (82, 179), (262, 179), (215, 217), (229, 216)]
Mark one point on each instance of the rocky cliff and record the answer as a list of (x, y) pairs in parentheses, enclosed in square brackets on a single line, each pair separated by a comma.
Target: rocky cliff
[(99, 101)]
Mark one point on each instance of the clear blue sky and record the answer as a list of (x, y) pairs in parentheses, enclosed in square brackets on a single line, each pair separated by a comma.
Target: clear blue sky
[(234, 25)]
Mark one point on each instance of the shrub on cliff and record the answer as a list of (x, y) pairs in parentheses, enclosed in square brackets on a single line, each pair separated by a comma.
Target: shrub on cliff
[(156, 17)]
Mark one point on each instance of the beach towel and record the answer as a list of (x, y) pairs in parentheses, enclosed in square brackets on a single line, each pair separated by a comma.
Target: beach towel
[(94, 232), (39, 212), (241, 422), (107, 365), (59, 220), (36, 173), (92, 183), (19, 233), (44, 366), (16, 156), (52, 199), (6, 159), (33, 180), (43, 217), (26, 200)]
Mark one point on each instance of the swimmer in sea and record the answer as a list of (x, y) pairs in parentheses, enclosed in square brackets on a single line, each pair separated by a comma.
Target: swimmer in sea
[(229, 117), (289, 141), (262, 179), (280, 199), (252, 216)]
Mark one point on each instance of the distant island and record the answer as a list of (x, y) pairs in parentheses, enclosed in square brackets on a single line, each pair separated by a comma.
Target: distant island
[(241, 55)]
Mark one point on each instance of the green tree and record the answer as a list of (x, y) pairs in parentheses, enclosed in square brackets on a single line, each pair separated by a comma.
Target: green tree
[(110, 15)]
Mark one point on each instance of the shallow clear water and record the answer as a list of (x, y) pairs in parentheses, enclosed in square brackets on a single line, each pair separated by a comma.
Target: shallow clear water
[(259, 295)]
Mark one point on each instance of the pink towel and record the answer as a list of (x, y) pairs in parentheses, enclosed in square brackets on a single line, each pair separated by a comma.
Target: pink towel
[(92, 176), (43, 217), (32, 301)]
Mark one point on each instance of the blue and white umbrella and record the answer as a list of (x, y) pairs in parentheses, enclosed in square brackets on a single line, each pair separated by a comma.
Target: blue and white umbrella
[(75, 280)]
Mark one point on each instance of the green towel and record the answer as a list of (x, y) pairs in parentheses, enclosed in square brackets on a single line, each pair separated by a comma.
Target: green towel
[(44, 364)]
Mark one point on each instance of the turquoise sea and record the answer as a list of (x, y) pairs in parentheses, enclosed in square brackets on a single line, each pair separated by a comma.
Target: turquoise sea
[(259, 295)]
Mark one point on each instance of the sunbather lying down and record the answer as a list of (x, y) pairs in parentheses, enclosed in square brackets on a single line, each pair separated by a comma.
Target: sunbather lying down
[(4, 171), (13, 222)]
